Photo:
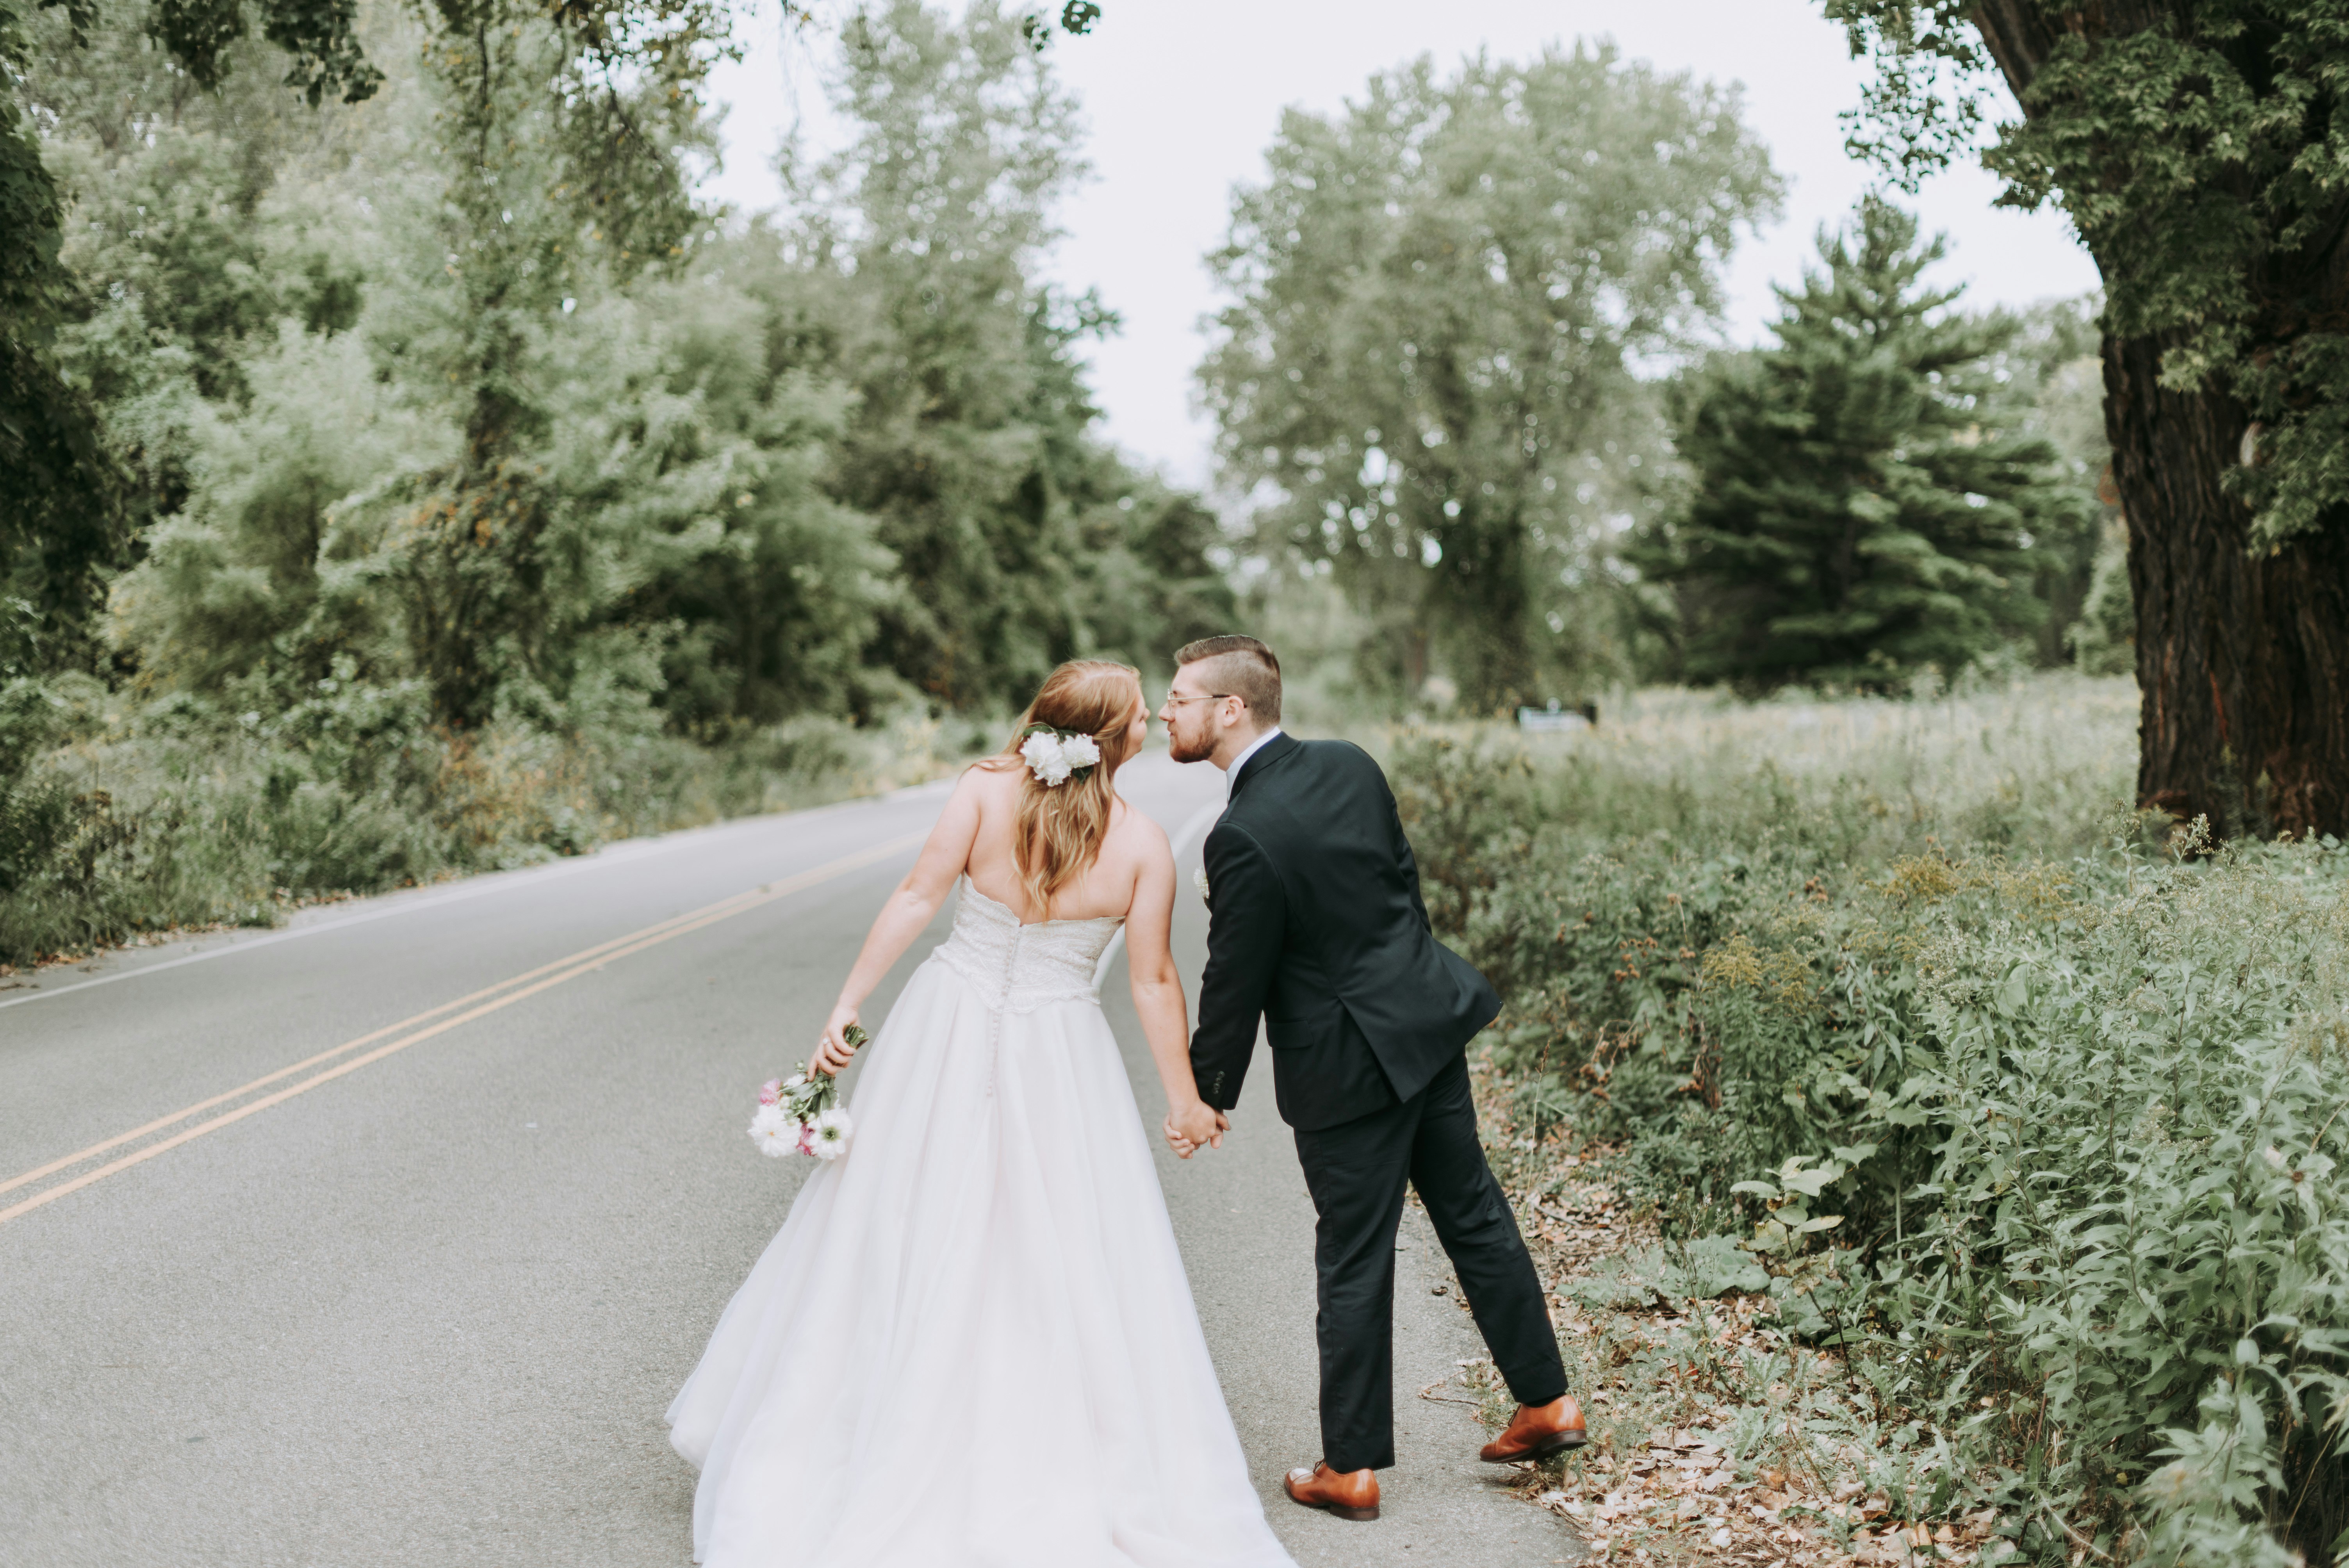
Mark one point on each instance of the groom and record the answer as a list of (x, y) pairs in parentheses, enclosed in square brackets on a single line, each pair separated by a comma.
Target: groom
[(1315, 924)]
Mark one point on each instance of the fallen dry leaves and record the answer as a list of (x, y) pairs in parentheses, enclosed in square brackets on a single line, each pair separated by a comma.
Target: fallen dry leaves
[(1680, 1497), (1662, 1480)]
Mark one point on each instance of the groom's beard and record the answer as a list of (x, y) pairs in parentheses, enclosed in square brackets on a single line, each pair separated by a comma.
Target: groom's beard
[(1188, 750)]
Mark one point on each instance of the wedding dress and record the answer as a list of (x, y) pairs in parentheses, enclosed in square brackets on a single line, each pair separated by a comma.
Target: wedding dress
[(972, 1344)]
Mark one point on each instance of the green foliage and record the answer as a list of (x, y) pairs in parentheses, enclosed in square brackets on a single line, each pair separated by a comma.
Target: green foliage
[(60, 516), (1865, 501), (2103, 641), (623, 107), (2040, 1131), (435, 413), (1643, 1276), (119, 818), (2053, 368), (493, 501), (1441, 295), (2092, 1134), (965, 449), (319, 36), (366, 422), (2201, 152)]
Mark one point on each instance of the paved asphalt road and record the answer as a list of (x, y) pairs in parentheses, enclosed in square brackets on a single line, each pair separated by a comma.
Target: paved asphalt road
[(431, 1310)]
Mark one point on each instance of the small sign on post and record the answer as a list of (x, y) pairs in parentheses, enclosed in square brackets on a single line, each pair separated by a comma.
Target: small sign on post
[(1555, 719)]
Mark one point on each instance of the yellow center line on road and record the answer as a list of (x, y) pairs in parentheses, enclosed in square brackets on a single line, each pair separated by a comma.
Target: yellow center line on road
[(327, 1055), (528, 983)]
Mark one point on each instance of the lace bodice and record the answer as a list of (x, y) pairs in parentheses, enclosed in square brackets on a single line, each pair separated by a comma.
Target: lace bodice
[(1021, 967)]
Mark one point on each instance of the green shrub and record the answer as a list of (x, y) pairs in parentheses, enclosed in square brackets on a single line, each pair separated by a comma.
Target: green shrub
[(2096, 1147), (2038, 1123), (117, 819)]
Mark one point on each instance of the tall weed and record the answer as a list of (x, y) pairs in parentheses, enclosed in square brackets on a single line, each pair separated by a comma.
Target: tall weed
[(119, 818), (2033, 1117)]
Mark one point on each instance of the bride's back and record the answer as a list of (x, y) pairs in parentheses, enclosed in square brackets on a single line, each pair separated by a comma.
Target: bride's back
[(1105, 887), (1087, 847)]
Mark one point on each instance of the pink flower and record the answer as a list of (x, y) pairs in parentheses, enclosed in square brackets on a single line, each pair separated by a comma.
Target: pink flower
[(807, 1137), (771, 1091)]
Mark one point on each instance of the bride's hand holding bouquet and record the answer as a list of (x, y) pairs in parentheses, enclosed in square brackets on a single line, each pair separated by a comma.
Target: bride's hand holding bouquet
[(841, 1037), (803, 1114)]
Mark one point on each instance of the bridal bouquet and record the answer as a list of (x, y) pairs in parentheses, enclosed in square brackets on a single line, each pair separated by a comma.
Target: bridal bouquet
[(801, 1114)]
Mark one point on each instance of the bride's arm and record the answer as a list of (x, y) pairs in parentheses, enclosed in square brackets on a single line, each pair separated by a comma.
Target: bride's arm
[(906, 916), (1158, 995)]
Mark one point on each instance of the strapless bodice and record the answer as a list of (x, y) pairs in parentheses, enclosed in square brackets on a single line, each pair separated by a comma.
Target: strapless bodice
[(1020, 968)]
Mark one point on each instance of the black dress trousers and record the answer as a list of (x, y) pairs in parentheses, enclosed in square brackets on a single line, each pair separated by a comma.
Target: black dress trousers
[(1357, 1172)]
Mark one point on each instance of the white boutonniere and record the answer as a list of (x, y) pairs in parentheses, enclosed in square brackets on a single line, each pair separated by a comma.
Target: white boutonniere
[(1199, 881)]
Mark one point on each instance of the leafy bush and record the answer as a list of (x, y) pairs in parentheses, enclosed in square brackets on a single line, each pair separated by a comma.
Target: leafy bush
[(2093, 1143), (2039, 1125), (117, 819)]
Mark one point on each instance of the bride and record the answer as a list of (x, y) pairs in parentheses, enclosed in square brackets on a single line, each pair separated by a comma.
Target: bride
[(972, 1342)]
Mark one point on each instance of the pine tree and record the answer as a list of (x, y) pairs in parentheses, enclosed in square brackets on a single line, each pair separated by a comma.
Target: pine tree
[(1864, 502)]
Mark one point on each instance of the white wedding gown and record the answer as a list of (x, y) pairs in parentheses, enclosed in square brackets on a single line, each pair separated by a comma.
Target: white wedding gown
[(972, 1344)]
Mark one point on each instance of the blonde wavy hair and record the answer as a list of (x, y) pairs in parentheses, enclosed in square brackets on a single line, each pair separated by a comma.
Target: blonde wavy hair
[(1060, 828)]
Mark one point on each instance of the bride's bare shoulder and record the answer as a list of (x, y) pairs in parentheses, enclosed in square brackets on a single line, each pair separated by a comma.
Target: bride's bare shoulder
[(1137, 832), (987, 778)]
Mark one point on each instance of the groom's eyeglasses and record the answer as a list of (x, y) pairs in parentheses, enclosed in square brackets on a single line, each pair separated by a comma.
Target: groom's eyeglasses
[(1172, 700)]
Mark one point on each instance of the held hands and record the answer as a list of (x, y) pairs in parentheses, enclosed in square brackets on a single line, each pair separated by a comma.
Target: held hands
[(835, 1050), (1195, 1124)]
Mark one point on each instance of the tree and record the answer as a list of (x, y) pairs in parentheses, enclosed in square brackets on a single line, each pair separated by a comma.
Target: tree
[(1862, 504), (418, 428), (60, 509), (2050, 370), (1156, 565), (415, 391), (896, 324), (2202, 150), (966, 444), (619, 83), (174, 266), (1442, 295)]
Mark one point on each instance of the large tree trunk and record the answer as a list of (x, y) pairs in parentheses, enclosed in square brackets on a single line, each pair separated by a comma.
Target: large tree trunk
[(2242, 662)]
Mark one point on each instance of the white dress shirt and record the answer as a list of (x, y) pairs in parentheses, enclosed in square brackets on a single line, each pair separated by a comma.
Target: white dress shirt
[(1259, 744)]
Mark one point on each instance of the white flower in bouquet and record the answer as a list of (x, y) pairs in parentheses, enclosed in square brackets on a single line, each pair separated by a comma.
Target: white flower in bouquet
[(1080, 751), (1199, 881), (775, 1130), (1046, 759), (829, 1131), (800, 1114)]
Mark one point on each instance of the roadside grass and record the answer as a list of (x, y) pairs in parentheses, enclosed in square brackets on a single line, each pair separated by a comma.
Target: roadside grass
[(1716, 1435), (1987, 1134), (122, 821)]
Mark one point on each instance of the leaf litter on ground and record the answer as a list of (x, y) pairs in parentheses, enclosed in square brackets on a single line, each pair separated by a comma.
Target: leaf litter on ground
[(1714, 1437)]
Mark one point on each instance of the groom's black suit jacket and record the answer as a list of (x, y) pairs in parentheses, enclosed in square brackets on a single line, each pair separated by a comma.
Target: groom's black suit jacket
[(1316, 925)]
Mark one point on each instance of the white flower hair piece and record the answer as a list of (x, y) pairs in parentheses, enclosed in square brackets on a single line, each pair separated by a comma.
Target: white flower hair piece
[(1055, 757)]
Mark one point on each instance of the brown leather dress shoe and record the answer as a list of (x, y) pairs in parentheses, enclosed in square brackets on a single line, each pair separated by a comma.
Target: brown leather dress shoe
[(1349, 1495), (1538, 1431)]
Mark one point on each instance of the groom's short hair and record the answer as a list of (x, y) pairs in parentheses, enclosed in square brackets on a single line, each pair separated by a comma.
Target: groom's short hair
[(1242, 666)]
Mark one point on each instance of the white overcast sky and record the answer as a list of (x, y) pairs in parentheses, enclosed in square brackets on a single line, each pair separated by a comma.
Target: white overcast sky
[(1181, 100)]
